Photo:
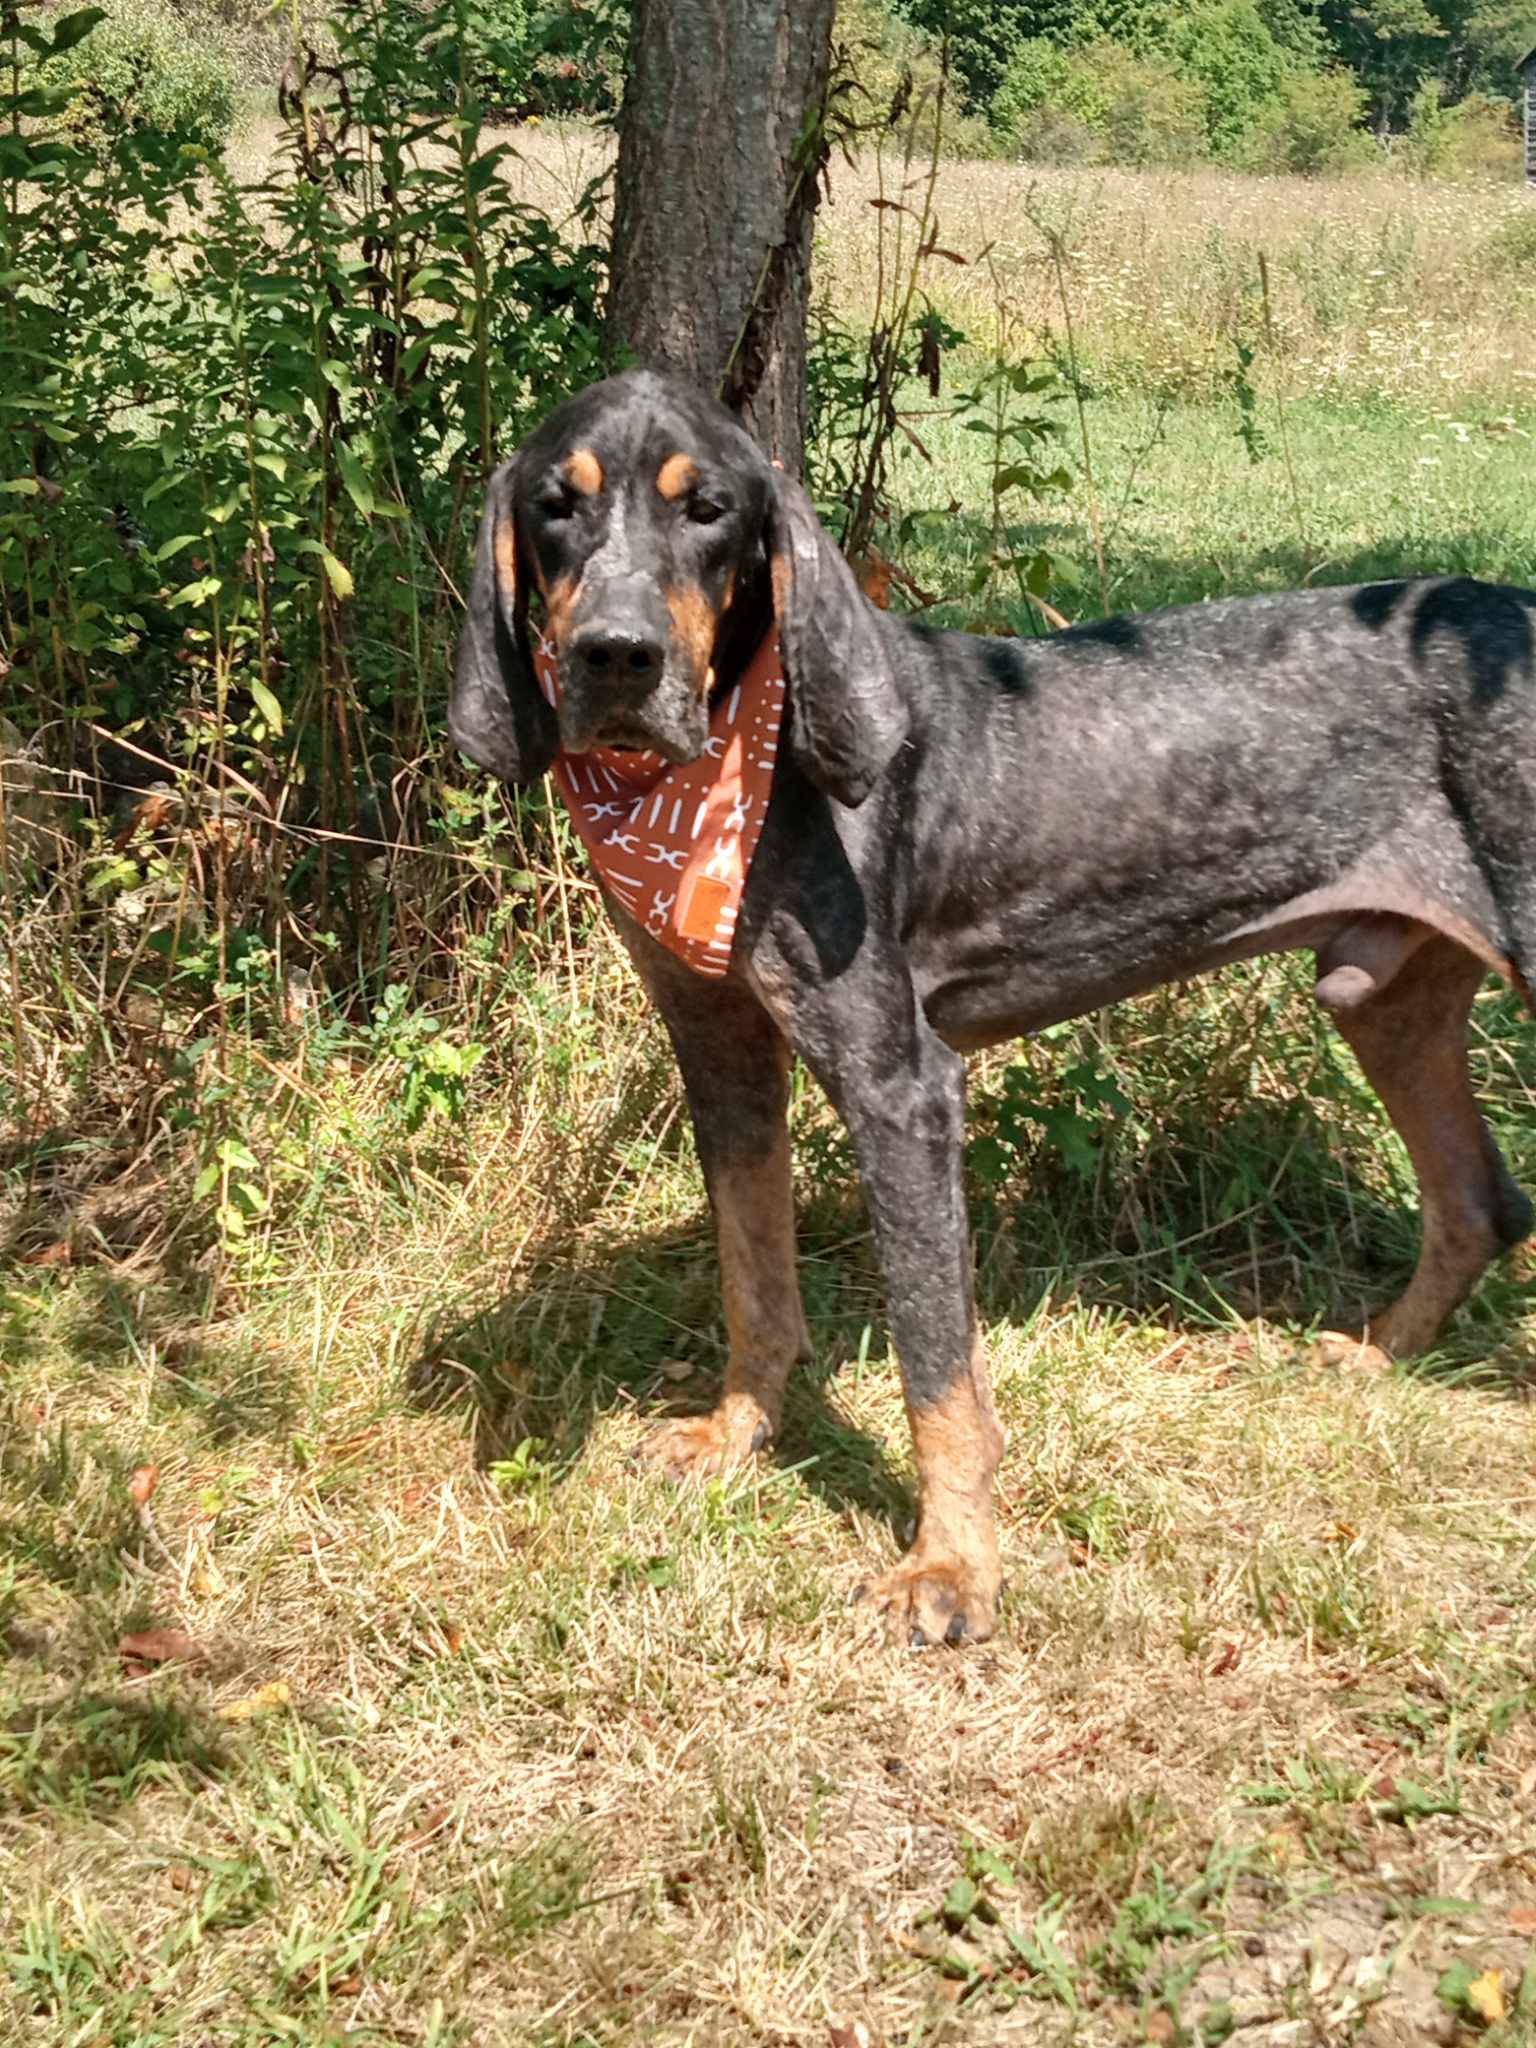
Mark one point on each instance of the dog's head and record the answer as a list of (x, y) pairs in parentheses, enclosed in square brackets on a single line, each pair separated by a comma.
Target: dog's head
[(656, 544)]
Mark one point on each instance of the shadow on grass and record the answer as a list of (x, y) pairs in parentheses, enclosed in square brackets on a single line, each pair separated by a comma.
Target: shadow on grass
[(1206, 1223), (1146, 581), (95, 1751), (583, 1334), (112, 1322)]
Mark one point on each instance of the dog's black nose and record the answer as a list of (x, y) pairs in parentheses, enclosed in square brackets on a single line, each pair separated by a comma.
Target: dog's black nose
[(619, 654)]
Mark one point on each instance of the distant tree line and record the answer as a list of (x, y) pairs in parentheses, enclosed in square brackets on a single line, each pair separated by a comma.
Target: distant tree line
[(1284, 85)]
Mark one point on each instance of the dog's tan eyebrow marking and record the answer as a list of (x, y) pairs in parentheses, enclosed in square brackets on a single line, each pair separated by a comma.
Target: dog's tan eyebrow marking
[(677, 474), (583, 472)]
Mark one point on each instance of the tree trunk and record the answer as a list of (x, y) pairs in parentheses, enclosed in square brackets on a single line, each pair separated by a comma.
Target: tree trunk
[(720, 149)]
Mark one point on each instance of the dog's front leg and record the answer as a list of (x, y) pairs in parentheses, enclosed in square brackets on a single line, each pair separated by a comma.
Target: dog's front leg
[(735, 1068), (906, 1117)]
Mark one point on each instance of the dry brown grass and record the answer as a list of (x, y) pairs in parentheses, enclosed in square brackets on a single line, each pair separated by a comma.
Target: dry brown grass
[(1380, 283), (566, 1756)]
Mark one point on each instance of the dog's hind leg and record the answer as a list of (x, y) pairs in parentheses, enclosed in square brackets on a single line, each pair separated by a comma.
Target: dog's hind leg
[(735, 1068), (1411, 1042)]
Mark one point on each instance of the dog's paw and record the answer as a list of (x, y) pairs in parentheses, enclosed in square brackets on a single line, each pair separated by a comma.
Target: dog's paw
[(1349, 1353), (704, 1446), (928, 1600)]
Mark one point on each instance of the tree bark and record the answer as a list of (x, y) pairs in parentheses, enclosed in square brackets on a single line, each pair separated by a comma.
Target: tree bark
[(720, 152)]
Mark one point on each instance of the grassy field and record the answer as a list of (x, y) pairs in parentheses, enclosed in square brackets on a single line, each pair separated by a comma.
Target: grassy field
[(359, 1686)]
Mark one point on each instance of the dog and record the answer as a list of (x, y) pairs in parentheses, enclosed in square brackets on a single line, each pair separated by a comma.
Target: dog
[(966, 839)]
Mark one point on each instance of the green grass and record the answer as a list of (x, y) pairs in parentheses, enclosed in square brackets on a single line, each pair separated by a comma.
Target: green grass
[(1344, 490), (494, 1738)]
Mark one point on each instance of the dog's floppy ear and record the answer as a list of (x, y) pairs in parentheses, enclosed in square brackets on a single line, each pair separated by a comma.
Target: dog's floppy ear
[(848, 717), (496, 712)]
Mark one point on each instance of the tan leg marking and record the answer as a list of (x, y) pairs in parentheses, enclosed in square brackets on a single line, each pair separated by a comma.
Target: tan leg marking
[(755, 1221), (679, 473), (946, 1587), (1411, 1044), (583, 472)]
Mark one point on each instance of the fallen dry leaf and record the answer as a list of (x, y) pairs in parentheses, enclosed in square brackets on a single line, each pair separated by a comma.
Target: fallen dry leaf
[(1226, 1661), (1284, 1846), (1159, 2026), (57, 1254), (142, 1481), (265, 1700), (209, 1581), (1523, 1919), (160, 1646), (676, 1368), (1485, 1996), (874, 575), (855, 2036)]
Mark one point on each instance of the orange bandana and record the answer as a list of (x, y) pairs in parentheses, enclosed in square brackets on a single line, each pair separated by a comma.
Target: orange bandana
[(674, 844)]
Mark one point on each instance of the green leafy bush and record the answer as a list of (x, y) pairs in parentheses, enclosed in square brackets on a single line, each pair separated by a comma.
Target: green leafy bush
[(559, 60), (1156, 114), (1511, 248), (1041, 77), (882, 52), (145, 66), (1479, 138), (1312, 128), (1225, 48), (1104, 102)]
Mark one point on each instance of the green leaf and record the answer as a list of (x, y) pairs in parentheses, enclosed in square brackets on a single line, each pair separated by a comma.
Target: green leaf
[(267, 705), (355, 477), (21, 487), (174, 547), (74, 28), (194, 593), (959, 1904), (1454, 1985)]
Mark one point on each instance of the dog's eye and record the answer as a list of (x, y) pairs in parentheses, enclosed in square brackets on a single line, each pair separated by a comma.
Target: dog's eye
[(705, 511), (557, 504)]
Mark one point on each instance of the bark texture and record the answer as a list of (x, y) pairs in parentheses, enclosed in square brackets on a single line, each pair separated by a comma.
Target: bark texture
[(715, 199)]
